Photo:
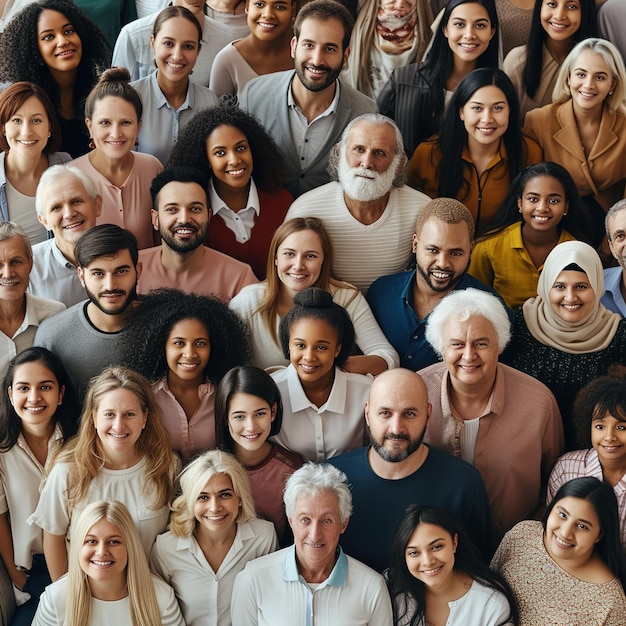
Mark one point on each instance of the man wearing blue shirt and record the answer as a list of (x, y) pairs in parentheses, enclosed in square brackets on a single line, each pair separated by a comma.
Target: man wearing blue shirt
[(615, 277)]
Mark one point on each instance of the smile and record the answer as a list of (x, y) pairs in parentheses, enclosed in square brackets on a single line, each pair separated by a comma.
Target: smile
[(252, 437), (432, 572), (572, 307), (28, 142), (266, 25), (10, 282), (66, 53), (73, 225), (308, 369), (175, 66), (561, 542), (101, 563), (188, 366), (118, 435), (35, 409), (215, 518), (541, 218), (238, 172), (298, 277), (185, 231), (610, 448)]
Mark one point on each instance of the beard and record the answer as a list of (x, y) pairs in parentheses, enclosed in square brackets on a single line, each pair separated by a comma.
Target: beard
[(364, 185), (130, 297), (396, 454), (184, 245), (332, 74), (449, 286)]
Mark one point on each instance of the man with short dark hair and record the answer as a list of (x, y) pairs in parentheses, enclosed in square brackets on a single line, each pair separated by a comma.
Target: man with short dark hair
[(614, 297)]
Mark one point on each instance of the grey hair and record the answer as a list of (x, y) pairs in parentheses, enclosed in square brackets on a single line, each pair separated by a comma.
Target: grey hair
[(13, 229), (50, 176), (619, 206), (313, 479), (378, 120), (462, 304)]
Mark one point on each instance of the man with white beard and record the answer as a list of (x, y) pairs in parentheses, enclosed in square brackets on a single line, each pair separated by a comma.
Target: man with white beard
[(369, 212)]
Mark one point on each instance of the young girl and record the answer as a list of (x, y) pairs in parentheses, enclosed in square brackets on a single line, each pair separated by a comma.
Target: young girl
[(121, 453), (247, 206), (323, 405), (557, 25), (109, 581), (600, 412), (541, 210), (480, 149), (38, 413), (437, 575), (248, 410), (184, 344), (213, 534), (266, 49), (416, 96)]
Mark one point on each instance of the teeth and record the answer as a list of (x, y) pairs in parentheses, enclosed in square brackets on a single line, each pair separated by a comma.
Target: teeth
[(118, 436), (35, 409), (184, 231), (236, 172), (571, 307), (441, 275), (102, 563), (188, 366), (562, 543), (541, 218)]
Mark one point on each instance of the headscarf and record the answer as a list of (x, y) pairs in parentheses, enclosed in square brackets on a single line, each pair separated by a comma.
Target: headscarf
[(591, 334)]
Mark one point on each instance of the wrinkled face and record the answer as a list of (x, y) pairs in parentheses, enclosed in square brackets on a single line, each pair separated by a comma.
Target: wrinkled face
[(176, 49), (572, 530), (617, 233), (103, 556), (318, 54), (217, 507), (572, 297), (187, 350), (590, 81), (249, 420), (469, 31), (486, 117), (429, 555), (15, 269), (395, 25), (27, 131), (543, 203), (230, 158), (299, 260), (59, 45), (182, 216), (114, 126), (269, 19), (560, 19), (608, 438)]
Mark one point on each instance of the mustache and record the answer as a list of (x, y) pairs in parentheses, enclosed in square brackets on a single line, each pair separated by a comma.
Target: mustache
[(398, 437)]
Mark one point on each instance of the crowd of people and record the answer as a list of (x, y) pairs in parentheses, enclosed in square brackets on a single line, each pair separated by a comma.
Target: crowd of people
[(312, 312)]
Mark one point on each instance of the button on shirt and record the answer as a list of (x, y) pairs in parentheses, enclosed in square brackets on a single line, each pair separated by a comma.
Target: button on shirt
[(242, 221), (612, 298)]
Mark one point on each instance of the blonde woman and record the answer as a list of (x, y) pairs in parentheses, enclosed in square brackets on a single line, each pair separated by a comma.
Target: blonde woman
[(214, 532), (121, 453), (109, 581)]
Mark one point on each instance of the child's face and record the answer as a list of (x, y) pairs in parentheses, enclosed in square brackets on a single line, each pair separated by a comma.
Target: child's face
[(543, 203), (188, 349), (313, 347), (608, 437), (249, 420)]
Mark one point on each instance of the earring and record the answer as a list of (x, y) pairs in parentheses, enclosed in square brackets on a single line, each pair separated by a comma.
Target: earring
[(610, 93)]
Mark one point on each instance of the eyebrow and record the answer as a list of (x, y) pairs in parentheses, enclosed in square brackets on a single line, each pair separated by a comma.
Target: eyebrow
[(25, 382), (100, 269), (580, 519), (430, 543), (582, 69), (51, 30), (316, 340), (492, 103)]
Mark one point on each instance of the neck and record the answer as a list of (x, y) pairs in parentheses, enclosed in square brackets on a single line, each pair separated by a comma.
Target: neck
[(317, 573), (455, 586), (108, 167), (174, 92), (67, 249), (227, 6), (38, 433), (367, 212), (12, 311), (277, 46), (109, 590), (312, 103), (234, 198), (396, 471), (540, 237), (460, 69), (558, 49), (216, 539), (252, 458), (482, 152), (588, 117), (319, 390), (104, 322), (25, 167), (122, 461), (179, 387), (178, 262), (469, 400)]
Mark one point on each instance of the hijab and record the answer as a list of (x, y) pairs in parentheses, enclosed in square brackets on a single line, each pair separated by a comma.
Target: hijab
[(591, 334)]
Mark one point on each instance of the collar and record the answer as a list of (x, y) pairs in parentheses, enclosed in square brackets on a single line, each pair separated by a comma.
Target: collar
[(203, 389), (613, 280), (59, 257), (217, 204), (337, 577), (496, 400), (291, 103), (336, 402), (161, 100), (500, 155)]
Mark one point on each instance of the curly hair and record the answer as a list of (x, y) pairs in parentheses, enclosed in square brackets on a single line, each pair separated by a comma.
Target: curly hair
[(151, 322), (191, 149), (21, 59)]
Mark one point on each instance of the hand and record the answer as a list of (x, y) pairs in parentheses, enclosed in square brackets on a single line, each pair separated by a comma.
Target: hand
[(19, 578)]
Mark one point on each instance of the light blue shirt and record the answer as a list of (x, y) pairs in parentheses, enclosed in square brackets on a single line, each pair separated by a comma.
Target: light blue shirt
[(612, 298)]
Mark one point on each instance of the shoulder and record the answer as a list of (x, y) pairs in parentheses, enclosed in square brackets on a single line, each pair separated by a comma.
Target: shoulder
[(514, 59), (409, 196), (392, 284), (272, 81), (523, 381), (147, 162), (350, 460), (318, 200), (364, 572), (411, 76), (433, 374), (63, 318), (44, 305), (260, 528), (452, 471), (250, 296), (359, 102), (274, 560)]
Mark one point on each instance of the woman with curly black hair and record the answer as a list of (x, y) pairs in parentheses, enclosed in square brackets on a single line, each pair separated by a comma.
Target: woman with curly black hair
[(53, 44), (245, 190), (184, 344)]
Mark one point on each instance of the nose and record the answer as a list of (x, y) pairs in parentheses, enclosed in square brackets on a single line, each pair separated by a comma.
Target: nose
[(469, 352), (117, 424), (315, 530), (317, 56), (33, 393), (102, 548), (609, 433), (248, 423), (366, 160), (108, 282), (428, 558), (189, 349), (559, 11), (468, 32), (233, 157), (309, 353), (486, 115), (298, 261), (68, 210), (214, 504)]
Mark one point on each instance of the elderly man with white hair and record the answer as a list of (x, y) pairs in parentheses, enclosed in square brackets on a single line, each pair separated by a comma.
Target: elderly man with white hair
[(504, 422), (312, 581), (367, 210)]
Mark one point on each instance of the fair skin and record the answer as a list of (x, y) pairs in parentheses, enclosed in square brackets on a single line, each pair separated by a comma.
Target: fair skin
[(114, 128), (571, 296), (543, 205), (486, 119), (318, 57), (232, 7), (317, 525), (27, 132), (561, 20), (608, 438), (468, 32), (249, 424), (442, 254), (617, 243), (396, 414), (69, 212), (216, 512), (15, 267)]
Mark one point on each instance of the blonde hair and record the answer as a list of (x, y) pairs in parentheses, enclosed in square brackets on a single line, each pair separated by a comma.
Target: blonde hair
[(85, 452), (144, 609), (192, 481)]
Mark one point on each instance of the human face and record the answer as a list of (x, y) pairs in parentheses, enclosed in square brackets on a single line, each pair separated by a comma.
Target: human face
[(318, 54), (111, 282), (442, 254), (469, 31), (572, 530), (68, 210), (560, 18), (27, 131), (230, 158), (486, 117), (313, 347), (471, 352), (543, 203), (608, 437), (182, 216), (249, 420), (59, 45), (395, 25), (217, 506), (617, 237), (299, 260), (572, 297), (396, 414), (176, 49), (269, 19), (195, 6), (119, 420), (187, 350), (103, 556), (429, 555), (317, 526), (35, 394), (15, 269), (591, 80), (114, 126)]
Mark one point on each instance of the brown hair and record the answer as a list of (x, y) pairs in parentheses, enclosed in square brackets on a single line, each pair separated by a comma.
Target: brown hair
[(114, 82)]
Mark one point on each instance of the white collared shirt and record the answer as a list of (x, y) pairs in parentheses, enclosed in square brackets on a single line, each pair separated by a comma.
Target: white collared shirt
[(241, 222)]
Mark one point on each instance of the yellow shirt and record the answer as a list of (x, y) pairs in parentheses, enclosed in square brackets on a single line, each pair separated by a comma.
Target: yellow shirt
[(502, 262)]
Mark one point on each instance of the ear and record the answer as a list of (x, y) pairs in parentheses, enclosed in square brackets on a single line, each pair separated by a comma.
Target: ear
[(152, 42), (155, 219), (344, 526), (81, 275), (461, 114), (455, 542), (414, 243), (42, 220), (367, 407), (10, 390), (346, 54), (88, 123), (273, 411), (292, 47), (338, 350), (98, 205), (493, 32), (61, 394), (138, 269)]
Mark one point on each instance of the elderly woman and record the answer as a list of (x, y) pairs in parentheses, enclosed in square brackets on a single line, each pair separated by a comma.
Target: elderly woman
[(312, 581), (489, 414), (564, 337)]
